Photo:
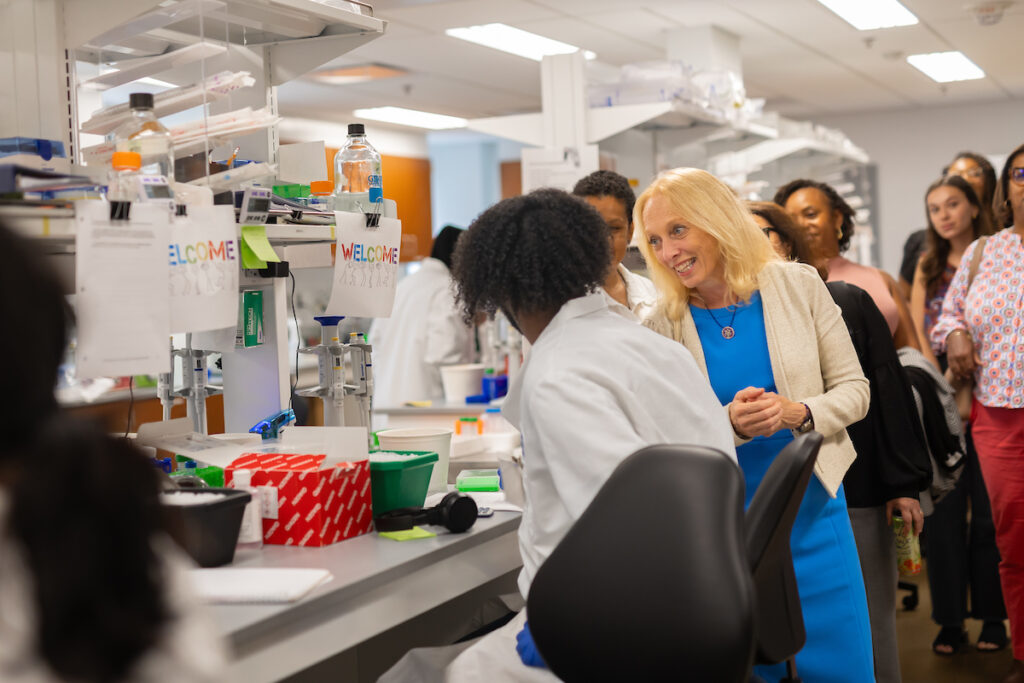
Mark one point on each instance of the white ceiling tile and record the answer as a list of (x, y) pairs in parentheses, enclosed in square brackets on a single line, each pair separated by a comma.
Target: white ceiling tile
[(439, 16)]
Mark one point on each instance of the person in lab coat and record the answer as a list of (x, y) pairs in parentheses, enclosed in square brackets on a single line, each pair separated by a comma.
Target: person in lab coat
[(424, 332), (91, 587), (612, 196), (595, 388)]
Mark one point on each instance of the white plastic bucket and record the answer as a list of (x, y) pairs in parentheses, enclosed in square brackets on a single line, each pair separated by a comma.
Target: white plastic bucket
[(424, 439), (460, 381)]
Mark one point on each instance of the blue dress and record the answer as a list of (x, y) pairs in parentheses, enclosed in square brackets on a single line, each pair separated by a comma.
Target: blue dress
[(838, 648)]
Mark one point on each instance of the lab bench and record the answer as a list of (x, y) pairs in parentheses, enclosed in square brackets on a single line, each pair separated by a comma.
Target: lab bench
[(386, 597)]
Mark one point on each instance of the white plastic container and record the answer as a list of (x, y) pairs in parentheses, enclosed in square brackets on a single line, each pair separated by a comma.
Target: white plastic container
[(437, 440), (460, 381)]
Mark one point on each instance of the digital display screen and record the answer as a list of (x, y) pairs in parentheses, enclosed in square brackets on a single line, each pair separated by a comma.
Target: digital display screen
[(158, 191), (258, 205)]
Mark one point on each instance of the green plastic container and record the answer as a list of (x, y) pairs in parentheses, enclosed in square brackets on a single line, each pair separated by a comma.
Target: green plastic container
[(400, 483)]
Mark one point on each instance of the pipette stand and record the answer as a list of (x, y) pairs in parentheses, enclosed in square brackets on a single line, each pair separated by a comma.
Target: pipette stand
[(345, 403), (195, 388)]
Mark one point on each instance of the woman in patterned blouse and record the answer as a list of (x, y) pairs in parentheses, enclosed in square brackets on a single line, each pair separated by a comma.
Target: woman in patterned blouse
[(981, 329)]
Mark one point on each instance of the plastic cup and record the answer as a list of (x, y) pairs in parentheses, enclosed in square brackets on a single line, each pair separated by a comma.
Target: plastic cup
[(908, 548), (422, 439), (460, 381)]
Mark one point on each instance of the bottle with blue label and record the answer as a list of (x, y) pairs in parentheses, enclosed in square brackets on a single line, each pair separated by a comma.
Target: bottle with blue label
[(357, 170)]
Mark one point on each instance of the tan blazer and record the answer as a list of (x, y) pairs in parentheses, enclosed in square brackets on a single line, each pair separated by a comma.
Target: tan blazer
[(813, 359)]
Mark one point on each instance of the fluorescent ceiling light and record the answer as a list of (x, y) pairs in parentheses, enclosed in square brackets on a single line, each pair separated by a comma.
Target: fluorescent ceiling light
[(155, 81), (946, 67), (355, 74), (410, 117), (866, 15), (515, 41)]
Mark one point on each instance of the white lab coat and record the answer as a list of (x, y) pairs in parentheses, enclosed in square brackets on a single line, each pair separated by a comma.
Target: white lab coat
[(641, 293), (424, 332), (595, 388)]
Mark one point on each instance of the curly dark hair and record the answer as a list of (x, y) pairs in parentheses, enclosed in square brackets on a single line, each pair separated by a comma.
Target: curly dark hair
[(607, 184), (531, 254), (937, 248), (84, 507), (836, 202)]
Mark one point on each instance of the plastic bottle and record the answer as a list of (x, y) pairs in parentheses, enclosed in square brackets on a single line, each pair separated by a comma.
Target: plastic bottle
[(144, 134), (321, 195), (357, 168), (251, 533), (121, 183), (494, 423)]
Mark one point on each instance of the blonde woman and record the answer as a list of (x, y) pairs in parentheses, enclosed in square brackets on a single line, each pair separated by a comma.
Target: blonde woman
[(778, 355)]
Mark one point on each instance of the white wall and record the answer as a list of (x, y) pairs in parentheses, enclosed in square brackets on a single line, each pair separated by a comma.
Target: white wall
[(465, 179), (912, 146)]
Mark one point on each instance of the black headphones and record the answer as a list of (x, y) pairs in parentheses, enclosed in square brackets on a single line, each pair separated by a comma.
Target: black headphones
[(456, 512)]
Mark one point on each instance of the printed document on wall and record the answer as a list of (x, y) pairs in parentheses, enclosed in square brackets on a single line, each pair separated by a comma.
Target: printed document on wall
[(203, 262), (121, 283), (365, 266)]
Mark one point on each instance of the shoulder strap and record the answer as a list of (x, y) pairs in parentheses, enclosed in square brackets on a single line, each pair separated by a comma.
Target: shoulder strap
[(979, 251)]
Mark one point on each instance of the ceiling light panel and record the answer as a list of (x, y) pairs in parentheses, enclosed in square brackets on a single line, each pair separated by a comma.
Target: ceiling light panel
[(867, 15), (514, 41), (410, 117), (946, 67)]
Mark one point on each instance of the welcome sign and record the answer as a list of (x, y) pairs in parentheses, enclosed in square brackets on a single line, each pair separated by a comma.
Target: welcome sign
[(365, 266), (203, 262)]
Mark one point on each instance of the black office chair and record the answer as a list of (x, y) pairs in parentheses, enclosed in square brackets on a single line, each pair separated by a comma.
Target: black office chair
[(652, 582), (770, 517)]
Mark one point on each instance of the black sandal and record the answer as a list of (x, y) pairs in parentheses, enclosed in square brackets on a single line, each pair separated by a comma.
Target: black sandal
[(993, 633), (952, 637)]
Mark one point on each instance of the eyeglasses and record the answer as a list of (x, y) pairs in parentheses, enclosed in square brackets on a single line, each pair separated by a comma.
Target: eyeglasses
[(969, 173), (1017, 174)]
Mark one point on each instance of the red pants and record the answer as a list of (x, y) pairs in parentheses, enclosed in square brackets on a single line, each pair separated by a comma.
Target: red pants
[(999, 440)]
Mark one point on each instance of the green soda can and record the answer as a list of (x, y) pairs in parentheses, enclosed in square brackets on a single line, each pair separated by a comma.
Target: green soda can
[(908, 547)]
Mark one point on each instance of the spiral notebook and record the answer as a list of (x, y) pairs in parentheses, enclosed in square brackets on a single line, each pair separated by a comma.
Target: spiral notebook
[(244, 585)]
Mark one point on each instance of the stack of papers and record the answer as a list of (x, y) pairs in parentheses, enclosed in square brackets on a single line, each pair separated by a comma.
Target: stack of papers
[(242, 585)]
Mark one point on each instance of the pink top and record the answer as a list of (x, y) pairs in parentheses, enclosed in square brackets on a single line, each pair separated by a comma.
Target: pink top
[(870, 280), (993, 312)]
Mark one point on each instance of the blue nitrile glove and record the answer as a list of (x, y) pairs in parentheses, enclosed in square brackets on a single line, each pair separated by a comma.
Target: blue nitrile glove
[(527, 649)]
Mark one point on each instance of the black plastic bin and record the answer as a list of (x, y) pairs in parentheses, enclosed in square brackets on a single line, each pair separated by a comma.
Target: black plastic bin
[(209, 531)]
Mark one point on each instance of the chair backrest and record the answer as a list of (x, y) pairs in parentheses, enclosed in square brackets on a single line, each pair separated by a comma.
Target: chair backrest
[(770, 517), (652, 582)]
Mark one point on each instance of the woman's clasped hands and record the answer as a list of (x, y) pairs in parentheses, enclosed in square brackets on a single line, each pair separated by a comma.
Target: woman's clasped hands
[(756, 412)]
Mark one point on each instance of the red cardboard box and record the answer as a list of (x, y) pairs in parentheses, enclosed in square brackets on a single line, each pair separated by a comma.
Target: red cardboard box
[(317, 504)]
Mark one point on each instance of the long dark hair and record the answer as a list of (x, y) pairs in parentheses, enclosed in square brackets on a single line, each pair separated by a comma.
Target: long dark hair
[(987, 172), (84, 507), (937, 248), (1001, 201)]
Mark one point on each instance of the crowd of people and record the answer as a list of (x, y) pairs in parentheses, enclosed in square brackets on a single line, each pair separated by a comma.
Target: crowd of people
[(752, 328)]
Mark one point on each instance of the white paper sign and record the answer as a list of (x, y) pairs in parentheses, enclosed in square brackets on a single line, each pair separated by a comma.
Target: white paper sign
[(365, 266), (121, 280), (203, 261), (302, 162)]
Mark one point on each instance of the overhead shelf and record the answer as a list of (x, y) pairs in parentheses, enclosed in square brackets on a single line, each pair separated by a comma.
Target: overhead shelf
[(755, 157), (140, 27)]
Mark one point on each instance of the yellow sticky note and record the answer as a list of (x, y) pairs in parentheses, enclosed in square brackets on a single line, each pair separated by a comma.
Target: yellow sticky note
[(408, 534), (255, 247)]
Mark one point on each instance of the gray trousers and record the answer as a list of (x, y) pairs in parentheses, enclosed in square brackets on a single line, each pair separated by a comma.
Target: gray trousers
[(878, 565)]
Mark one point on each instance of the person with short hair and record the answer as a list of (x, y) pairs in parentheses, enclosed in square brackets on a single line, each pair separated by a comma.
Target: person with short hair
[(612, 196), (595, 388), (828, 222), (773, 344)]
